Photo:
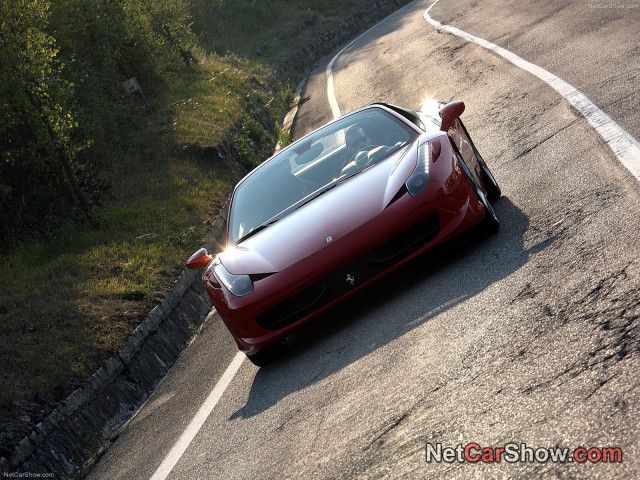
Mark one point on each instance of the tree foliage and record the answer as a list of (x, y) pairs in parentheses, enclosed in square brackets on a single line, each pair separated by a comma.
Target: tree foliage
[(64, 115), (37, 150)]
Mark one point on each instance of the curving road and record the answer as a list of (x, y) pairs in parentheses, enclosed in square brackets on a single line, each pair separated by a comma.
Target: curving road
[(529, 336)]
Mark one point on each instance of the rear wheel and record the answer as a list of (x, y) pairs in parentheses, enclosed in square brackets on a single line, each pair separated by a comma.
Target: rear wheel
[(490, 224), (269, 353), (490, 183)]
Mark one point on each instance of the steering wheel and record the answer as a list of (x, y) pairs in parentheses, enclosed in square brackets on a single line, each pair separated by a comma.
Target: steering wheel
[(365, 157), (362, 154)]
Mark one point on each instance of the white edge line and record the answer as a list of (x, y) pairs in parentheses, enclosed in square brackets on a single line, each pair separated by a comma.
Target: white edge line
[(331, 94), (198, 420), (623, 145)]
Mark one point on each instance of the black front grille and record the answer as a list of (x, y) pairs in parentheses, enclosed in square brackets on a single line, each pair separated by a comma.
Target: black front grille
[(355, 273)]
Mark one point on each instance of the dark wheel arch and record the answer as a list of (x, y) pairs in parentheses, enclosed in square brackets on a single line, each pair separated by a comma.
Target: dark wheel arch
[(269, 353)]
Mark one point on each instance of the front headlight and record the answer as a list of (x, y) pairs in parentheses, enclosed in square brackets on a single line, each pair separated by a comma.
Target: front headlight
[(239, 285), (418, 180)]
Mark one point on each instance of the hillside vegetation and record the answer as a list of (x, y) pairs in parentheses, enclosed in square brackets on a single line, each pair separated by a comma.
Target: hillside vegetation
[(105, 193)]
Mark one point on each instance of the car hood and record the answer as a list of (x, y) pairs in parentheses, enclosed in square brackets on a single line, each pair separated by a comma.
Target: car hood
[(324, 219)]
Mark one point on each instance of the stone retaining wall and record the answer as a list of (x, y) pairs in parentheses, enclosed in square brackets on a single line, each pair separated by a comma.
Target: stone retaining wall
[(73, 435)]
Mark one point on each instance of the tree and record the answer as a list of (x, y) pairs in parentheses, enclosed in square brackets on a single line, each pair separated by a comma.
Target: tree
[(64, 114), (37, 149)]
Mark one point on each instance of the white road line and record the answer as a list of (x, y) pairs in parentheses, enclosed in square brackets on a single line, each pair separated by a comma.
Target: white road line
[(331, 94), (198, 420), (624, 146)]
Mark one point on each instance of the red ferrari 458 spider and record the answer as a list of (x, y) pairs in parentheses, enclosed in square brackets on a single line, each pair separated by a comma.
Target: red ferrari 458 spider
[(336, 210)]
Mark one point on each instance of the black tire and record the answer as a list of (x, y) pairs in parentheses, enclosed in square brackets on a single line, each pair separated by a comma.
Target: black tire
[(269, 354), (490, 224), (490, 183)]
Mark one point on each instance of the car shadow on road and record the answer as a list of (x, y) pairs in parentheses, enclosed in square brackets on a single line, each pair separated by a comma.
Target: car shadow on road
[(356, 327)]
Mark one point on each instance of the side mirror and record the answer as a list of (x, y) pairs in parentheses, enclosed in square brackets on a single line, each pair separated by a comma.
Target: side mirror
[(449, 113), (199, 259)]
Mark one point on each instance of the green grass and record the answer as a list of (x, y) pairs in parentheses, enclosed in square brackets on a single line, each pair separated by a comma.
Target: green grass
[(68, 303)]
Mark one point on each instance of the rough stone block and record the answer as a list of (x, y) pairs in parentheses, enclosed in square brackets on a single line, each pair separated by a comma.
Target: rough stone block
[(22, 452)]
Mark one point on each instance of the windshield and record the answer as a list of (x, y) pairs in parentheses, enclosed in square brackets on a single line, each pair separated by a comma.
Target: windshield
[(311, 166)]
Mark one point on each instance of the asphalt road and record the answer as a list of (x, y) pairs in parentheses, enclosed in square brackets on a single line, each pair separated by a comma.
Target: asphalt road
[(529, 336)]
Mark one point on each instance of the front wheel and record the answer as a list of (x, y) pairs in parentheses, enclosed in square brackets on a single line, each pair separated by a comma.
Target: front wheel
[(269, 353)]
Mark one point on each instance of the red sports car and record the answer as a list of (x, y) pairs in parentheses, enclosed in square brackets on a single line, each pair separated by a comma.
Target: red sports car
[(338, 209)]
